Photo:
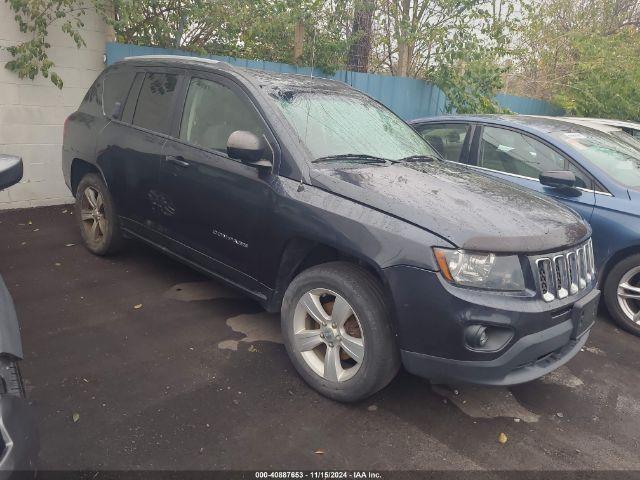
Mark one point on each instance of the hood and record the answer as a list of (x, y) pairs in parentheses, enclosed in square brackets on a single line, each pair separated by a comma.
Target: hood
[(9, 331), (469, 209)]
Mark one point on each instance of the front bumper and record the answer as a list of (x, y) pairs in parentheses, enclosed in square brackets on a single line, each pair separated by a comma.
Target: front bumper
[(431, 317), (531, 357), (19, 441)]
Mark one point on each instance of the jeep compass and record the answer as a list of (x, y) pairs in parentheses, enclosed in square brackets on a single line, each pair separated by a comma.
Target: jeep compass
[(320, 203)]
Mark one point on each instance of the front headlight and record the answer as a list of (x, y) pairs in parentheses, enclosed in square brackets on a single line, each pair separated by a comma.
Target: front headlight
[(481, 270)]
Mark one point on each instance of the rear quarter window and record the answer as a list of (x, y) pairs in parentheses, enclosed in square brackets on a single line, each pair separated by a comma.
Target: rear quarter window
[(117, 84), (92, 101)]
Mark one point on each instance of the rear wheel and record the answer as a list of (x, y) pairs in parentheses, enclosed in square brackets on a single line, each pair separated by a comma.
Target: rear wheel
[(622, 293), (96, 216), (337, 332)]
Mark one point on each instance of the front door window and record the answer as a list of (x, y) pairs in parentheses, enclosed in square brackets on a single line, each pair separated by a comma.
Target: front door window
[(512, 152), (212, 113)]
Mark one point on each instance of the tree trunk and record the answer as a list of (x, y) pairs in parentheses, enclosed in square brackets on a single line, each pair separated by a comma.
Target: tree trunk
[(360, 49), (405, 47), (298, 41), (403, 59)]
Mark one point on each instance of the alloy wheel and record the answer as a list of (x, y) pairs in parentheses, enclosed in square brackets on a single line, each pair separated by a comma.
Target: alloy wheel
[(629, 294), (92, 214), (328, 335)]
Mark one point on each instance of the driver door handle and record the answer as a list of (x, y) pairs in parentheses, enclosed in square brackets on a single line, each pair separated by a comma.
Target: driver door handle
[(177, 160)]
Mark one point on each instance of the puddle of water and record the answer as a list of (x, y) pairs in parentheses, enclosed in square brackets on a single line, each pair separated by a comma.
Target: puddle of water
[(628, 405), (258, 327), (595, 351), (562, 376), (486, 402), (198, 291)]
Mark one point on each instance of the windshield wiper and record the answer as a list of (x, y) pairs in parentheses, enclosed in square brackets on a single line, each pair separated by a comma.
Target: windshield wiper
[(361, 157), (420, 158)]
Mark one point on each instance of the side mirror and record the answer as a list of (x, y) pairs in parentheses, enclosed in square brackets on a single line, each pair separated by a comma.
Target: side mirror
[(558, 179), (10, 170), (248, 148)]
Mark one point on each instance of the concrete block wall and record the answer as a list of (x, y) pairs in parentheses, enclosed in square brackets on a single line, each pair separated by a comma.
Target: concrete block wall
[(32, 112)]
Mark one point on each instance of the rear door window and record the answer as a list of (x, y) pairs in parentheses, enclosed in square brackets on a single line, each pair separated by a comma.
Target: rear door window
[(446, 138), (212, 112), (155, 102), (116, 87)]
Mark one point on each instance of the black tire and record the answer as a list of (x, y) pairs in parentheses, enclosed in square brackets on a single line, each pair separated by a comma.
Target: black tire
[(381, 359), (611, 293), (105, 242)]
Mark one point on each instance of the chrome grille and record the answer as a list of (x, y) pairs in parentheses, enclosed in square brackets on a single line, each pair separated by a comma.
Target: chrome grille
[(565, 273)]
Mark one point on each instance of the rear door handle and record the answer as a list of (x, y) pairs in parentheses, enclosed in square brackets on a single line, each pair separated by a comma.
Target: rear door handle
[(177, 160)]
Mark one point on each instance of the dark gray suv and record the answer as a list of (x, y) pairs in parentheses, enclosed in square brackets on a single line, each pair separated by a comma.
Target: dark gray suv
[(320, 203)]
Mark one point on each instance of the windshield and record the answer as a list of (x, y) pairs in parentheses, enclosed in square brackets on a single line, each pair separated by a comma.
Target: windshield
[(618, 158), (627, 138), (332, 124)]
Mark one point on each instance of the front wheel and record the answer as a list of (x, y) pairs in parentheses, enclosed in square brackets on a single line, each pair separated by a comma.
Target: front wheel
[(337, 332), (622, 293)]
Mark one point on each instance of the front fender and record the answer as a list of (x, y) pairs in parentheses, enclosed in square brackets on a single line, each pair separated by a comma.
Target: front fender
[(354, 228), (10, 343)]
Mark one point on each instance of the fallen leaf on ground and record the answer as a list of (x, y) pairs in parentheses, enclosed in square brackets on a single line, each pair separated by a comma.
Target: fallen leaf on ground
[(502, 438), (319, 452), (372, 408), (138, 306), (76, 417), (69, 244), (57, 264)]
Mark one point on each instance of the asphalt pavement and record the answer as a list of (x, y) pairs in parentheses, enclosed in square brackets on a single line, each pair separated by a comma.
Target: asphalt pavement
[(138, 362)]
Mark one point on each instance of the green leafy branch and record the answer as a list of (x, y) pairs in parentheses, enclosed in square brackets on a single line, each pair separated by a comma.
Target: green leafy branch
[(35, 17)]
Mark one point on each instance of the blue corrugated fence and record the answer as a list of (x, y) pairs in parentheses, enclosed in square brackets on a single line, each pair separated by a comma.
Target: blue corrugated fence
[(407, 97)]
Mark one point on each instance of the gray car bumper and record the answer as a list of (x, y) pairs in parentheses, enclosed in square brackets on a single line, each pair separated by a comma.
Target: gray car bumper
[(530, 358), (19, 444)]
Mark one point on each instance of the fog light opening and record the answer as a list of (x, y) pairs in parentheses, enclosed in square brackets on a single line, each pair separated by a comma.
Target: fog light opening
[(487, 338), (476, 336)]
